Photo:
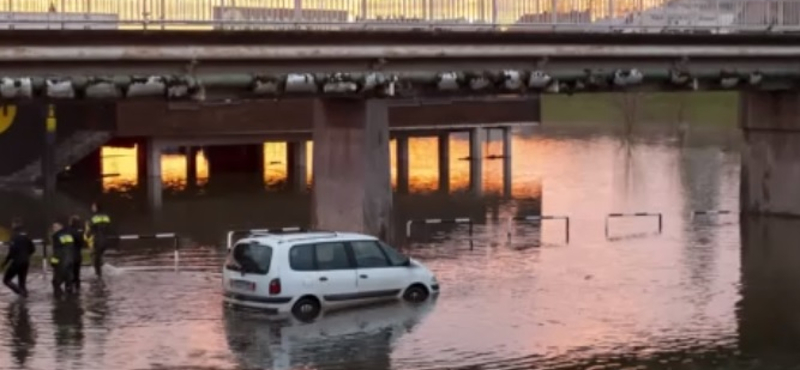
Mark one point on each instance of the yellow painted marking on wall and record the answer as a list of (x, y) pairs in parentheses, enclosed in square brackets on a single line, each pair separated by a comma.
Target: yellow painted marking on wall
[(7, 115)]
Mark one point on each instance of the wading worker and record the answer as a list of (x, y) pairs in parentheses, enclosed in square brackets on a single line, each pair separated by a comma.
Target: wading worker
[(99, 236), (77, 230), (63, 258), (18, 260)]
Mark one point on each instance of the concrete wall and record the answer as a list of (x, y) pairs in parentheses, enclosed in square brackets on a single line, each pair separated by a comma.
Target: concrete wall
[(770, 171), (158, 118)]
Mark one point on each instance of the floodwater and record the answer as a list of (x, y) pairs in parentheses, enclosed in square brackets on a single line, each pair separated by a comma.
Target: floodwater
[(705, 293)]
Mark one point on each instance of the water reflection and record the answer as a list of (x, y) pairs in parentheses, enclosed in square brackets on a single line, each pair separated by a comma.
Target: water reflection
[(67, 319), (706, 294), (23, 336), (352, 339)]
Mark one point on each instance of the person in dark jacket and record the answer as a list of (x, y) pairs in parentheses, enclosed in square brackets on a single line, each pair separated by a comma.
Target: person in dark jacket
[(77, 230), (63, 258), (100, 236), (16, 264)]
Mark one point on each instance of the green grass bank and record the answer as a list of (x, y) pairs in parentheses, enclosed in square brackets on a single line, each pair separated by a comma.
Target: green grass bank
[(697, 109)]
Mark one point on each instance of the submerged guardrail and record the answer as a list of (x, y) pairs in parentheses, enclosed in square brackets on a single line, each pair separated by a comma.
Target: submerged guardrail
[(539, 219), (637, 214)]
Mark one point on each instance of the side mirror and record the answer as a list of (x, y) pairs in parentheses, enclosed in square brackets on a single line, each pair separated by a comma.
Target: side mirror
[(407, 262)]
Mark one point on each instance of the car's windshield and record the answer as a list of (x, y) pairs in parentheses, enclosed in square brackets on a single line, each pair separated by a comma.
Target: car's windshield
[(395, 257), (251, 258)]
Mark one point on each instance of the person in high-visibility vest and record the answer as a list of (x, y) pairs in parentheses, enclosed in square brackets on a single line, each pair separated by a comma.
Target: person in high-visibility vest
[(98, 237), (63, 258)]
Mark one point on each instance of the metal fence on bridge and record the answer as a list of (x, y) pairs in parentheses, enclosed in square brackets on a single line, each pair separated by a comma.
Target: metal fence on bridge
[(710, 16)]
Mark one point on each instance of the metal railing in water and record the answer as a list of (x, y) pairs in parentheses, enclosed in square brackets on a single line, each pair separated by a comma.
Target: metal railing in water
[(710, 16)]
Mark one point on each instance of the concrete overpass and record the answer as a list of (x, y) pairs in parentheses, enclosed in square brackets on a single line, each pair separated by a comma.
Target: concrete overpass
[(353, 78)]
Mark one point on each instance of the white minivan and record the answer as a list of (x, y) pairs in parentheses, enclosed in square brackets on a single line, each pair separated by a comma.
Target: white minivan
[(303, 273)]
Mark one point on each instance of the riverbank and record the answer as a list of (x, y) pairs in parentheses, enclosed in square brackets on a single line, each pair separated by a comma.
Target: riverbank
[(696, 109)]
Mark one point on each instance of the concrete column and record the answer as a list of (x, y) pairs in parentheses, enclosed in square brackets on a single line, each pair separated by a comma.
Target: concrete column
[(444, 162), (352, 188), (507, 175), (148, 153), (191, 166), (402, 163), (476, 160), (296, 165), (770, 171)]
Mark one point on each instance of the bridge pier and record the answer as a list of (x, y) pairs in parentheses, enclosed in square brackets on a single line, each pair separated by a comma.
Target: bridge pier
[(352, 188), (402, 163), (507, 175), (444, 162), (770, 168), (296, 169), (191, 166), (148, 158), (476, 160)]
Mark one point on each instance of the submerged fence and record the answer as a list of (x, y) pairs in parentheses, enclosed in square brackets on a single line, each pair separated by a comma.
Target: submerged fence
[(713, 16)]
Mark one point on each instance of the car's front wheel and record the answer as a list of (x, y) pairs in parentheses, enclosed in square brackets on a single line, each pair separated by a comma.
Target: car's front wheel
[(306, 309), (416, 293)]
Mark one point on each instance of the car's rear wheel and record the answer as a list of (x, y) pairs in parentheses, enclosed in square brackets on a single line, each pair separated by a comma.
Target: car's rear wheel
[(306, 309), (416, 294)]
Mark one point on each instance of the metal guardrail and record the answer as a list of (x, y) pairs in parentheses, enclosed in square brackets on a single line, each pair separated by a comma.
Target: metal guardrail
[(709, 213), (432, 221), (540, 219), (710, 16), (637, 214), (278, 230)]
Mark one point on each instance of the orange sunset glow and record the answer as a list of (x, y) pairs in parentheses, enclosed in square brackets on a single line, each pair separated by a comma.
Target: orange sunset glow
[(120, 167)]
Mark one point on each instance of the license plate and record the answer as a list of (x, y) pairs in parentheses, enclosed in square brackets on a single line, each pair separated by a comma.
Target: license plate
[(243, 285)]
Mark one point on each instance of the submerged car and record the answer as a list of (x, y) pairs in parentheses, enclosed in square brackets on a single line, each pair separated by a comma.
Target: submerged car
[(304, 273)]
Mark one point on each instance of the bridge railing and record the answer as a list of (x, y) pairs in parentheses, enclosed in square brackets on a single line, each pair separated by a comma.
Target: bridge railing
[(714, 16)]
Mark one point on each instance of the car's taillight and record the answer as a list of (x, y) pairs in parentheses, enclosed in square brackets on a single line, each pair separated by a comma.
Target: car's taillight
[(275, 286)]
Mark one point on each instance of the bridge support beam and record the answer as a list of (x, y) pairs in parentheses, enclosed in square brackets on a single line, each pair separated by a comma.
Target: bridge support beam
[(352, 188), (770, 168), (191, 166), (296, 169), (402, 163), (444, 162), (148, 152), (507, 175), (476, 160)]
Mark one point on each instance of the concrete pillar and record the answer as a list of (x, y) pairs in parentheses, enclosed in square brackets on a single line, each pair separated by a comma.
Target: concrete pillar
[(402, 163), (444, 162), (352, 188), (507, 175), (296, 165), (476, 160), (770, 171), (191, 166), (148, 154)]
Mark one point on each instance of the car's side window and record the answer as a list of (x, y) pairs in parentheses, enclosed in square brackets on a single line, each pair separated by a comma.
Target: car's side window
[(301, 258), (368, 254), (332, 256), (395, 257)]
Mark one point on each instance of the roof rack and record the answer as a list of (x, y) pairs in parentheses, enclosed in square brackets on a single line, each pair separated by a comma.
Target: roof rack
[(318, 234)]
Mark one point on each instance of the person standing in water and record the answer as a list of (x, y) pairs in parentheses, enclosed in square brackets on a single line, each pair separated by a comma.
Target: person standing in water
[(16, 264), (63, 258), (77, 230), (99, 235)]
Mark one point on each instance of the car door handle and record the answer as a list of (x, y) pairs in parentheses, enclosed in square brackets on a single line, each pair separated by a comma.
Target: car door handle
[(363, 276), (323, 278)]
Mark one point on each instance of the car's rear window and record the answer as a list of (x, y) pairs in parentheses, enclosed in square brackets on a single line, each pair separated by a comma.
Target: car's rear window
[(251, 258)]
